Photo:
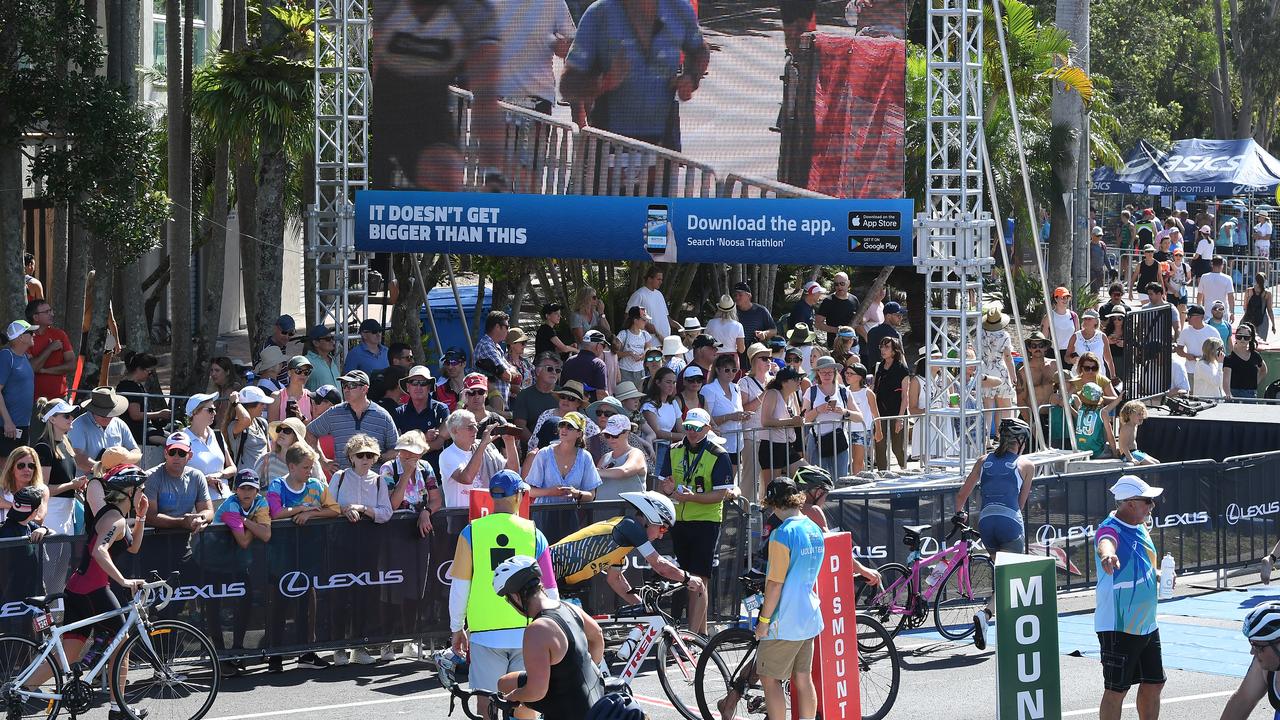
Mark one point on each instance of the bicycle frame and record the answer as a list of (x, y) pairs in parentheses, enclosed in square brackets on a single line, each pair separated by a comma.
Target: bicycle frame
[(657, 626), (957, 554)]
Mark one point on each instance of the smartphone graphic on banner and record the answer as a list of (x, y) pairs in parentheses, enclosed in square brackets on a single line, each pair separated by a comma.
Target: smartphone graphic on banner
[(656, 228)]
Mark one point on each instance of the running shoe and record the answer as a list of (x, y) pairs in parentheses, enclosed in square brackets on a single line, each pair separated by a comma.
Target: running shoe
[(1264, 569), (980, 620), (313, 661)]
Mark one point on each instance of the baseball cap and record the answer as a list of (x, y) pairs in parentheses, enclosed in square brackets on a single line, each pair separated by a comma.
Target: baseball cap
[(691, 371), (617, 425), (1206, 229), (286, 323), (551, 307), (704, 340), (199, 399), (813, 288), (253, 394), (1061, 292), (177, 440), (248, 478), (779, 491), (698, 417), (1195, 310), (742, 287), (298, 361), (892, 308), (777, 342), (355, 376), (576, 419), (1090, 313), (593, 336), (371, 325), (1097, 230), (475, 380), (1132, 486), (18, 327), (328, 393), (319, 331), (506, 483)]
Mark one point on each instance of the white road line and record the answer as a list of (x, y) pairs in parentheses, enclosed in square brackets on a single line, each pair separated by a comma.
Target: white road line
[(339, 706), (1091, 712)]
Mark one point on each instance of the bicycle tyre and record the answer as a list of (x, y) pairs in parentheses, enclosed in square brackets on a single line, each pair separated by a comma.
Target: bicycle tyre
[(952, 609), (727, 655), (884, 662), (677, 674), (16, 655), (182, 652), (894, 590)]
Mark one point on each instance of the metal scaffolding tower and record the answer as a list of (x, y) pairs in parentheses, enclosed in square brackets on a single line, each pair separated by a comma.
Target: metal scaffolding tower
[(953, 234), (342, 90)]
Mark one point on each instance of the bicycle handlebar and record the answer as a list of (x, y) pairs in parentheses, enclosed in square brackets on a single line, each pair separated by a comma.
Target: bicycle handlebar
[(159, 586), (959, 527)]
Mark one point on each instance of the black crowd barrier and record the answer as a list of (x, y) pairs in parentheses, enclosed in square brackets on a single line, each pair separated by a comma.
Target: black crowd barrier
[(330, 583), (1212, 515), (1146, 368)]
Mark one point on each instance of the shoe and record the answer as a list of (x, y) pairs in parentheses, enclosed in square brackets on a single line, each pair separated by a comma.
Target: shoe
[(1264, 569), (275, 664), (341, 657), (980, 620), (361, 657), (230, 668), (388, 653), (410, 650), (122, 715), (313, 661)]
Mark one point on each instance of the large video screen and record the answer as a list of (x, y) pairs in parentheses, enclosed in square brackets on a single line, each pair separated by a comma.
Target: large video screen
[(549, 96)]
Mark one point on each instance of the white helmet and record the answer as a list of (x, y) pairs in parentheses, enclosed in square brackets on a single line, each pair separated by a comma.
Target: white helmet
[(1262, 624), (656, 507), (515, 575)]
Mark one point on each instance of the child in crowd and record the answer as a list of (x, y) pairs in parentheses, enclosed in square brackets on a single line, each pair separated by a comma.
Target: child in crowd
[(1093, 426), (861, 436), (246, 513), (1207, 381), (25, 577), (1132, 414)]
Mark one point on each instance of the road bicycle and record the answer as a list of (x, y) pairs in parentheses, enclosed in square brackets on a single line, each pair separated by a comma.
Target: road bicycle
[(956, 582), (170, 667), (729, 688)]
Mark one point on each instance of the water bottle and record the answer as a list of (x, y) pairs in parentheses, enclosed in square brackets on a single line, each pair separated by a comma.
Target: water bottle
[(1166, 576), (935, 577), (628, 646), (94, 653)]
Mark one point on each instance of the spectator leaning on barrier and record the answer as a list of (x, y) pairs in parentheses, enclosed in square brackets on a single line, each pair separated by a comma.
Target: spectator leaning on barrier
[(52, 356), (564, 471), (354, 415), (17, 385), (324, 361), (179, 494), (472, 460), (357, 488), (1125, 620), (100, 426), (698, 476), (299, 494), (209, 453), (370, 355), (246, 513), (411, 481), (487, 630)]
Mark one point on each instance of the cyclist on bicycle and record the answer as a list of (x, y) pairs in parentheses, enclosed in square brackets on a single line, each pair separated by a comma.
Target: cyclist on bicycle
[(89, 588), (563, 646), (1262, 630), (1004, 477), (604, 546)]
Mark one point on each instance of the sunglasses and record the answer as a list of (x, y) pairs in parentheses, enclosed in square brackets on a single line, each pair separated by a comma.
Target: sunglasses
[(569, 426), (693, 427), (476, 393), (1243, 338), (366, 456), (613, 437), (452, 362), (420, 383), (301, 371), (325, 339), (695, 380), (1088, 367), (285, 430), (1148, 501), (551, 369), (25, 466), (212, 409), (1037, 346), (352, 385), (177, 453), (728, 369)]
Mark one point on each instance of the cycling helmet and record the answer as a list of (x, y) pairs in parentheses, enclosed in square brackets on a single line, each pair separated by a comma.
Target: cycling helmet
[(1012, 429), (1262, 624), (1091, 393), (516, 576), (615, 706), (812, 477), (123, 477), (656, 507)]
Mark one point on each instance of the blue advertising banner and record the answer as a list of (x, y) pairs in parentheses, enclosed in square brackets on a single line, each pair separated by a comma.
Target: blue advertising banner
[(737, 230)]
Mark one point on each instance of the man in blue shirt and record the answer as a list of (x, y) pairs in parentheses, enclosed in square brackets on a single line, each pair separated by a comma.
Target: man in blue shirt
[(422, 412), (791, 613), (1127, 590), (631, 81), (17, 385), (370, 355)]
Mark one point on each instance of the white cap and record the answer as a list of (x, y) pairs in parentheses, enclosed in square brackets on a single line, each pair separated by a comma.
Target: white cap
[(58, 408), (698, 416), (254, 394), (17, 328), (617, 425), (1132, 486), (813, 287), (199, 399)]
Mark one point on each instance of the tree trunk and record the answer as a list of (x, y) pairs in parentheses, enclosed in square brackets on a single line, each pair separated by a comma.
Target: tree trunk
[(13, 293), (1069, 125), (126, 34), (273, 170), (77, 278), (56, 290), (178, 230), (1223, 114)]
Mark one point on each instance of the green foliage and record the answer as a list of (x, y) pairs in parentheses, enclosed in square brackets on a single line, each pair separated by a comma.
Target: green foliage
[(1027, 289)]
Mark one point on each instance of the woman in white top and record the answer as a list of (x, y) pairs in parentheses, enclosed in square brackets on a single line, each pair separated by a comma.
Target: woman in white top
[(780, 416), (1207, 381), (209, 454), (861, 431), (724, 402), (997, 360), (1064, 322), (359, 489), (661, 413), (295, 392), (827, 407), (751, 387), (1090, 339), (633, 341), (726, 329)]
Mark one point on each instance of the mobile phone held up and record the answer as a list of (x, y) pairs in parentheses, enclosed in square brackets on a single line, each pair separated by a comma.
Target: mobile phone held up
[(656, 228)]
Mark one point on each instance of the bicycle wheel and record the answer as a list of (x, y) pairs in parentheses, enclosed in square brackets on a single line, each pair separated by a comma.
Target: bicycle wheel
[(955, 604), (179, 681), (890, 601), (676, 671), (16, 655), (726, 680), (879, 670)]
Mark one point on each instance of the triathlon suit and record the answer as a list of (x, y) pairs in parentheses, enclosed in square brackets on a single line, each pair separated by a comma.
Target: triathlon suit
[(1272, 696), (415, 60), (1001, 522), (89, 587), (575, 684), (598, 547)]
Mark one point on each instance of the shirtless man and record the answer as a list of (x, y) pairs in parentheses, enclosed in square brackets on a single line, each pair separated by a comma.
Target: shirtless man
[(1044, 376)]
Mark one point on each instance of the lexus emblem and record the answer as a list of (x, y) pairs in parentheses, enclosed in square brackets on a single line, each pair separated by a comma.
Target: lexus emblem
[(1233, 514), (1046, 535), (294, 584)]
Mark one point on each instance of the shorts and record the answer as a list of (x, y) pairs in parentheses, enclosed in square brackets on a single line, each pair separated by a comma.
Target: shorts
[(1003, 390), (695, 543), (78, 606), (488, 664), (776, 455), (780, 659), (1179, 299), (1001, 533), (865, 438), (1130, 659)]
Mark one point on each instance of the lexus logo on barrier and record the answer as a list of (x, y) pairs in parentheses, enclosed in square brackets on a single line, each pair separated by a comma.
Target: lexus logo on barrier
[(442, 572), (1046, 535), (296, 584), (1235, 513)]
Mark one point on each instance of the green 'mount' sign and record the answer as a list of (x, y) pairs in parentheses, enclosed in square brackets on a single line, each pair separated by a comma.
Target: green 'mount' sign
[(1028, 676)]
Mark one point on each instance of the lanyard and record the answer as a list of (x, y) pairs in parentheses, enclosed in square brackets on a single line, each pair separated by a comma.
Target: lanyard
[(689, 467)]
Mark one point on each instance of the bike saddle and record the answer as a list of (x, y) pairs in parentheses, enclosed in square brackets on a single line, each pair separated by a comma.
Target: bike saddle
[(42, 601), (752, 575), (916, 529)]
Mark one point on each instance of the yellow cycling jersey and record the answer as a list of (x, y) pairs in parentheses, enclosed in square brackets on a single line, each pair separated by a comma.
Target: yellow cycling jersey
[(598, 547)]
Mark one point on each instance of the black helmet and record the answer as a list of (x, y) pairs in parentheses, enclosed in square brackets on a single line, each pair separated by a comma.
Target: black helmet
[(1014, 429), (123, 477), (615, 706), (812, 477)]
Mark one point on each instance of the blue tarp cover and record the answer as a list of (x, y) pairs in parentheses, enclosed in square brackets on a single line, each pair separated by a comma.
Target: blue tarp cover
[(1218, 168)]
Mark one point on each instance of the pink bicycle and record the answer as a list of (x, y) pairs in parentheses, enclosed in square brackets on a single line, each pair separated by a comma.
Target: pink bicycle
[(956, 582)]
